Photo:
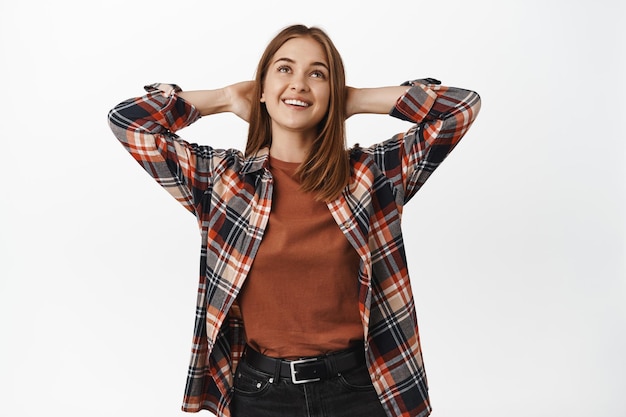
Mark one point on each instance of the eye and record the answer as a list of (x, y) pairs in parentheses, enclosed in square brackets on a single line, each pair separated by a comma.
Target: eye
[(318, 74), (283, 69)]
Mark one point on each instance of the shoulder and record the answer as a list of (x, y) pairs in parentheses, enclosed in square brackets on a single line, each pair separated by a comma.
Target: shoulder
[(377, 150)]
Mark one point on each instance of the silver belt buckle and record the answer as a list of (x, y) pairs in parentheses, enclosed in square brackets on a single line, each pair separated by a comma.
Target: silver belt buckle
[(292, 366)]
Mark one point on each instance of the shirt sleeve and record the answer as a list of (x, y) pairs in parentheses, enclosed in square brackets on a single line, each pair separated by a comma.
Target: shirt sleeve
[(146, 128), (441, 116)]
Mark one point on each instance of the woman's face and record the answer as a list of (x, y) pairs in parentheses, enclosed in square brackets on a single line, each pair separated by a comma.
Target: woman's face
[(296, 90)]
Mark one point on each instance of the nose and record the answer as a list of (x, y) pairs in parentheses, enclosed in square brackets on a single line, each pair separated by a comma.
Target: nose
[(299, 82)]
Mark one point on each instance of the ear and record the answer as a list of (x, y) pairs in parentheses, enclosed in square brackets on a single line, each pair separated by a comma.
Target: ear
[(262, 98)]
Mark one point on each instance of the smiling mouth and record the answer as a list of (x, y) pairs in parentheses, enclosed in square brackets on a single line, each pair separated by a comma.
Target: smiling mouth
[(294, 102)]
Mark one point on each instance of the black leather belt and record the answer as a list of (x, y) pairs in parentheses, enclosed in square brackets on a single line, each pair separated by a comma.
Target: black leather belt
[(302, 371)]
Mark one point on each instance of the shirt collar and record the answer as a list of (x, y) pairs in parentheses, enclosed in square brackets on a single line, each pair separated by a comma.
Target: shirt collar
[(256, 162)]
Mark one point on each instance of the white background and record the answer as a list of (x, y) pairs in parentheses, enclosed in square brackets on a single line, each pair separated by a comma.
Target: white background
[(516, 244)]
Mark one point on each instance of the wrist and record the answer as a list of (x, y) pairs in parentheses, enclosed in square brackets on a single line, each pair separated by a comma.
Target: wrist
[(351, 101)]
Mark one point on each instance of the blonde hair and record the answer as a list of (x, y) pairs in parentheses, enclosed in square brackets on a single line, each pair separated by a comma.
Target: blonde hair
[(326, 170)]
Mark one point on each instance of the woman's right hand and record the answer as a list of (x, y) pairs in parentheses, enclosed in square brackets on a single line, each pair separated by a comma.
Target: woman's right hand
[(240, 98)]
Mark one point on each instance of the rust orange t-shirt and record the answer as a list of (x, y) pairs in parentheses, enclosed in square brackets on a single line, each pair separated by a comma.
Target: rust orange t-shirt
[(301, 295)]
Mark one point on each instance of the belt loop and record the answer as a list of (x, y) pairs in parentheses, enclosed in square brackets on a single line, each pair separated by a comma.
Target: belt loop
[(277, 372), (331, 366)]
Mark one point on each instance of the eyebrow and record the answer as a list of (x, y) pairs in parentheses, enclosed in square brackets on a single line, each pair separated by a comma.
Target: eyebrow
[(315, 64)]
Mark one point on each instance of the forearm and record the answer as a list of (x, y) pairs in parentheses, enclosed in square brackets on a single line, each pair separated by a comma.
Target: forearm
[(155, 112), (373, 100), (207, 102), (234, 98)]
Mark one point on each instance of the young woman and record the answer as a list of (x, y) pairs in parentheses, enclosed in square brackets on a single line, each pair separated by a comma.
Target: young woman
[(304, 302)]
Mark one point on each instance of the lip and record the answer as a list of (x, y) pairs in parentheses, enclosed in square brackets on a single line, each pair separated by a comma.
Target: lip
[(296, 106)]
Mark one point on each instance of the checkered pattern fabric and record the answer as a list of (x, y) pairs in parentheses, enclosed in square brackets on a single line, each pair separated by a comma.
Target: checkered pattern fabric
[(231, 196)]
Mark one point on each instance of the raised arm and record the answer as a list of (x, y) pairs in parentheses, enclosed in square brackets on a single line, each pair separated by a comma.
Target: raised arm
[(372, 100), (146, 128), (442, 115), (235, 98)]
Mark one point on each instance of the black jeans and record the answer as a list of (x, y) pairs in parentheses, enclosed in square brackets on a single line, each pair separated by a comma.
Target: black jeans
[(258, 394)]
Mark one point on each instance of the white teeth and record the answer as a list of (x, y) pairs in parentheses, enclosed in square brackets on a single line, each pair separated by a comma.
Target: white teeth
[(296, 103)]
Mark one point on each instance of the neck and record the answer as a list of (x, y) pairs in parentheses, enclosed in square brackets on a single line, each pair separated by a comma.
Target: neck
[(291, 147)]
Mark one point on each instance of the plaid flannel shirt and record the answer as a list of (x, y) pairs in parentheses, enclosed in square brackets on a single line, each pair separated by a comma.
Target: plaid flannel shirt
[(231, 196)]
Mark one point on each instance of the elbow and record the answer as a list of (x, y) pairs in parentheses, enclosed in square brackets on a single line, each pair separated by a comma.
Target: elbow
[(473, 104), (114, 124), (115, 117), (111, 117), (118, 123), (469, 111)]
